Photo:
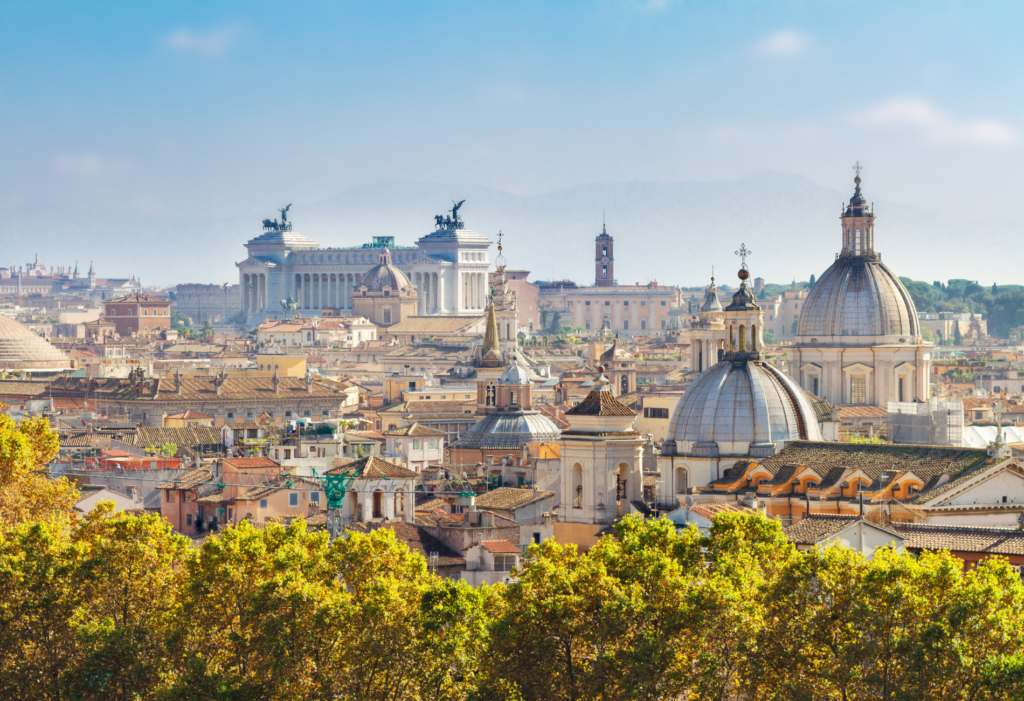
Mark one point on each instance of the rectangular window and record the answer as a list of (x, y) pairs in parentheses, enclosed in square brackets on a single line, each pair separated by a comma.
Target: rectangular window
[(814, 391), (263, 503), (643, 304), (655, 412), (398, 447), (293, 499), (663, 304), (314, 497), (169, 496), (188, 519), (625, 324), (643, 324), (587, 303), (625, 304), (662, 323), (417, 444), (432, 443), (858, 390), (607, 303)]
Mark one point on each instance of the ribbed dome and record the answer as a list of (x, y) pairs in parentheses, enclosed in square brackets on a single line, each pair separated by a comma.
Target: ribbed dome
[(20, 349), (858, 296), (384, 274), (515, 374), (742, 401), (509, 429)]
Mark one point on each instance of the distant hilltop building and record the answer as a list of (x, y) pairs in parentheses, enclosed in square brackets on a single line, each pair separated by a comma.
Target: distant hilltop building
[(629, 310), (36, 279), (286, 272)]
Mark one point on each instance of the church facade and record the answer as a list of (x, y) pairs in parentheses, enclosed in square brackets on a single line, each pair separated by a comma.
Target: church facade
[(447, 267)]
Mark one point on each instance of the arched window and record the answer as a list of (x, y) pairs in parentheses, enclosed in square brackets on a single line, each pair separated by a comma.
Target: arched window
[(743, 337), (514, 398), (680, 480), (378, 504), (577, 486)]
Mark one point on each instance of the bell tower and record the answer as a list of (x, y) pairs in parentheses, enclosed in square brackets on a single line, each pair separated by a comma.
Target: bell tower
[(858, 224), (604, 261)]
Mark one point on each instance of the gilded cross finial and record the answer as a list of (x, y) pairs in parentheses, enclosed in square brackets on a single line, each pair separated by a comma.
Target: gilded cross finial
[(743, 252), (499, 240), (858, 168)]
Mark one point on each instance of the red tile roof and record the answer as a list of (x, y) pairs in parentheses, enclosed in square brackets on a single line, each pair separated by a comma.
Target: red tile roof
[(499, 546)]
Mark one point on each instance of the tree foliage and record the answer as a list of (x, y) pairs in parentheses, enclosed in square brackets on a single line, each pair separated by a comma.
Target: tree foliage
[(118, 606)]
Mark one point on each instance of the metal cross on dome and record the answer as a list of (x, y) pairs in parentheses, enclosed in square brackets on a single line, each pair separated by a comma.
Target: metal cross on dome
[(743, 253), (858, 168)]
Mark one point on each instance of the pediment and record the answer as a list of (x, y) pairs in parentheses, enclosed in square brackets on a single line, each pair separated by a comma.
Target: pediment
[(906, 367), (255, 262), (988, 486), (810, 367), (425, 260), (858, 367)]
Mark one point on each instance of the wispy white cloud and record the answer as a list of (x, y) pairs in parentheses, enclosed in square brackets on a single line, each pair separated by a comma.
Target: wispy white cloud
[(936, 125), (785, 43), (88, 164), (213, 42)]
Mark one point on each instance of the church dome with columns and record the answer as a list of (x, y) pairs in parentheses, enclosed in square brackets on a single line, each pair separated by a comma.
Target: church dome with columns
[(741, 405), (858, 296), (384, 274)]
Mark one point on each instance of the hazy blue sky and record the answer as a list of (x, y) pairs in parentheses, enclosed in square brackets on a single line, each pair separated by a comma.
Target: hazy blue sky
[(216, 108)]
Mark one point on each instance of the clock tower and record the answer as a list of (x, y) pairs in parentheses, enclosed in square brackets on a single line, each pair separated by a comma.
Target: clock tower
[(604, 261)]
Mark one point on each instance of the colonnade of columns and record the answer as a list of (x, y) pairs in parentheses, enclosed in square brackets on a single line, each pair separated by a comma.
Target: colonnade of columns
[(474, 290), (254, 292), (430, 287), (319, 290)]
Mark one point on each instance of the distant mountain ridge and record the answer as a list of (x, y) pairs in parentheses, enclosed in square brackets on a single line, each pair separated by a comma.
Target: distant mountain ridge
[(671, 232)]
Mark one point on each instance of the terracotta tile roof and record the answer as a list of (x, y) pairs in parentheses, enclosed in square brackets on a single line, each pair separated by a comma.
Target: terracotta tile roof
[(823, 456), (259, 492), (250, 463), (432, 406), (860, 411), (189, 480), (709, 511), (510, 498), (972, 539), (600, 403), (432, 504), (418, 540), (214, 497), (434, 324), (815, 529), (499, 546), (192, 389), (414, 429), (191, 440), (372, 467)]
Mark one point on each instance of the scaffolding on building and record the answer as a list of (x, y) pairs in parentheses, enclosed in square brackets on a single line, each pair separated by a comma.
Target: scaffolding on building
[(935, 422)]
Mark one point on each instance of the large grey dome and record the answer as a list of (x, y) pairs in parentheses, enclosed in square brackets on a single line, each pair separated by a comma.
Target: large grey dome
[(21, 349), (858, 296), (742, 406)]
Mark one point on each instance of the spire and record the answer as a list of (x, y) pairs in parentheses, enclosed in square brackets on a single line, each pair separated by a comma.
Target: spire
[(499, 262), (491, 345)]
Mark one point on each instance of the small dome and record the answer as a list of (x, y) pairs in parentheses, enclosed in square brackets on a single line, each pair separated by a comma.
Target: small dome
[(21, 349), (858, 296), (743, 402), (616, 353), (711, 301), (509, 429), (384, 274), (515, 374)]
